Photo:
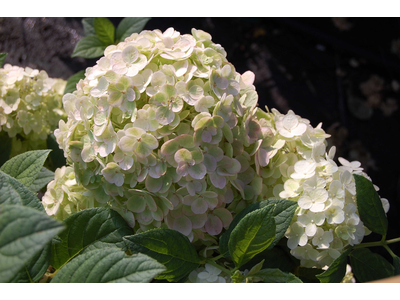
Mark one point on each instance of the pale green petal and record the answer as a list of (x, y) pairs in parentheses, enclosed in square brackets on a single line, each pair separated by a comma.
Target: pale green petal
[(127, 143), (130, 54), (136, 203), (149, 140)]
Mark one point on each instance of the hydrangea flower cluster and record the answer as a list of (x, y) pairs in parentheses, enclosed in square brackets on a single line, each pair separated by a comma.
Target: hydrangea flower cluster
[(326, 220), (30, 106), (164, 130), (208, 274)]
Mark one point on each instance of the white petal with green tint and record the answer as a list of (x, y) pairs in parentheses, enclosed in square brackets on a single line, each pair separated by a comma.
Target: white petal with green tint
[(127, 143), (130, 54), (183, 156), (164, 115)]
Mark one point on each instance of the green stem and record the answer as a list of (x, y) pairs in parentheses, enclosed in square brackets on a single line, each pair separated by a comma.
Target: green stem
[(389, 250), (393, 241), (380, 243), (217, 257), (226, 271)]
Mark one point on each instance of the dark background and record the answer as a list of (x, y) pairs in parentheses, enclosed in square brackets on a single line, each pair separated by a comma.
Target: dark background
[(344, 72)]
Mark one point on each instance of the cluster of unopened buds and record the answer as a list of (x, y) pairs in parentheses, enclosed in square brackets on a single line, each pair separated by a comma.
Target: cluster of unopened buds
[(30, 106), (166, 132)]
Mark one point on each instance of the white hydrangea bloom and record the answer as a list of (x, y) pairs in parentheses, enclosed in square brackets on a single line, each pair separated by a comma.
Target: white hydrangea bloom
[(30, 106), (178, 142), (208, 274), (153, 123)]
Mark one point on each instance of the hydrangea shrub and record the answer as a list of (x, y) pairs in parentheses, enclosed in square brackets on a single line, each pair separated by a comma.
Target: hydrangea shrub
[(166, 132), (30, 106)]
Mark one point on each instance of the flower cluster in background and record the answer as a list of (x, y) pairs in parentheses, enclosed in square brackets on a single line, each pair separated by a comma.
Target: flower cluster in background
[(166, 132), (30, 106)]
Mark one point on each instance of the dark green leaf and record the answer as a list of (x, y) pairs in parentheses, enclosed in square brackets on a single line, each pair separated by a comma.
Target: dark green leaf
[(89, 47), (130, 25), (368, 266), (252, 235), (44, 177), (396, 264), (24, 232), (370, 206), (35, 268), (57, 157), (274, 276), (14, 192), (283, 213), (88, 26), (26, 167), (105, 30), (170, 248), (337, 269), (108, 265), (2, 58), (72, 81), (94, 228)]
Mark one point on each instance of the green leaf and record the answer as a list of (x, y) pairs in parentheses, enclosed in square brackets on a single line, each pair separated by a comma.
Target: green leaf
[(130, 25), (108, 265), (44, 177), (368, 266), (88, 26), (370, 206), (14, 192), (252, 235), (105, 30), (283, 213), (35, 268), (275, 276), (2, 58), (72, 81), (23, 233), (26, 167), (57, 157), (170, 248), (94, 228), (396, 264), (89, 47), (337, 269)]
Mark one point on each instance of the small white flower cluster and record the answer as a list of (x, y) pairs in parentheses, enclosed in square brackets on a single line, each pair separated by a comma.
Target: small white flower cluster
[(326, 220), (208, 274), (164, 130), (64, 196), (30, 105)]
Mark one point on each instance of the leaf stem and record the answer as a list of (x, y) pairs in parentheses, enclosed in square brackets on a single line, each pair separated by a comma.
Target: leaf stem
[(211, 262)]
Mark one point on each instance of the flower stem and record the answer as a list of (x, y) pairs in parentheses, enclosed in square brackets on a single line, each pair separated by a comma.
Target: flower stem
[(217, 257), (389, 250), (211, 262), (380, 243)]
